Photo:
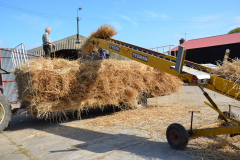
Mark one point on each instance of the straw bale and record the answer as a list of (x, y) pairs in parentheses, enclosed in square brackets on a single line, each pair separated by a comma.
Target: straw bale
[(103, 32), (60, 85), (230, 70)]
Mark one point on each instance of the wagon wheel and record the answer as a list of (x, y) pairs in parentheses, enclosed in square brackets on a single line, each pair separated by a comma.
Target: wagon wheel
[(5, 112), (226, 113), (142, 101), (177, 136), (233, 115)]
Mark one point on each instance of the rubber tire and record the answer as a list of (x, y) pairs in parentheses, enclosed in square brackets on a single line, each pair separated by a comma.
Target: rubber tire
[(226, 113), (176, 132), (142, 101), (7, 112)]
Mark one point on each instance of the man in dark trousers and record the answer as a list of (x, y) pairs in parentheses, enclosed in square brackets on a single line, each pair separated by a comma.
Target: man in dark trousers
[(47, 44), (103, 53)]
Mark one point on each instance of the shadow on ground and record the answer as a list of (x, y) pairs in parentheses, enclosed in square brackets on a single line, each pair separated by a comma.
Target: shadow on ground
[(94, 141), (85, 142)]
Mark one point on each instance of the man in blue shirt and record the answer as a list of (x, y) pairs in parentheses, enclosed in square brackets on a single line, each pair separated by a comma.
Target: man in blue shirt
[(47, 44)]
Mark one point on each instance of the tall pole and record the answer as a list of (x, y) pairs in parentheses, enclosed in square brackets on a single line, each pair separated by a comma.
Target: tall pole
[(77, 26), (77, 30)]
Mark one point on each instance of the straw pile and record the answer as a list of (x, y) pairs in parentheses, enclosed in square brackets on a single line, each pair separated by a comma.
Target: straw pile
[(230, 70), (216, 147), (60, 85), (104, 32)]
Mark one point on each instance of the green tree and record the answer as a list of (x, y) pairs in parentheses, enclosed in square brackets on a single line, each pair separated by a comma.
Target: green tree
[(235, 30)]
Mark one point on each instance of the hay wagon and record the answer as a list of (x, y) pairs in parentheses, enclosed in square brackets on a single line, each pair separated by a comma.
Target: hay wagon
[(15, 92)]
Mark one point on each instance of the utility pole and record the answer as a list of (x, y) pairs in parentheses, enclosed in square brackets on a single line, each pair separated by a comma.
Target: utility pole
[(185, 36), (77, 25)]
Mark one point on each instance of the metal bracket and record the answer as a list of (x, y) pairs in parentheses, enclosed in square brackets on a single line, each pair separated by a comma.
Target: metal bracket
[(2, 71), (180, 59), (93, 42)]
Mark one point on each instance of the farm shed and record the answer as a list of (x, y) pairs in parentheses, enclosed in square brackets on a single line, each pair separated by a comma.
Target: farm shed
[(8, 85), (65, 48), (68, 48), (211, 49)]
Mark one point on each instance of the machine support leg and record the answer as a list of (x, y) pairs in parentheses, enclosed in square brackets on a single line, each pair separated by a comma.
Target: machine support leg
[(191, 121), (230, 111), (213, 103), (191, 130)]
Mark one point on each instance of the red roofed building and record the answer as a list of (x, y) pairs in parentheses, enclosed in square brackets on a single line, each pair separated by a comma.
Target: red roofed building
[(211, 49)]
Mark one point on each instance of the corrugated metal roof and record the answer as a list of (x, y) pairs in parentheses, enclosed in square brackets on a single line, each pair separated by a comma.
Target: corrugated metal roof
[(211, 41), (65, 43)]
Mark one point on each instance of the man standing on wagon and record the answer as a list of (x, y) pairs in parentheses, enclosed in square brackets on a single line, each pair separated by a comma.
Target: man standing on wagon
[(47, 44)]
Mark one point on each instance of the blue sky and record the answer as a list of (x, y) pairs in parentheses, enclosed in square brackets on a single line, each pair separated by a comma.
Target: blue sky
[(149, 23)]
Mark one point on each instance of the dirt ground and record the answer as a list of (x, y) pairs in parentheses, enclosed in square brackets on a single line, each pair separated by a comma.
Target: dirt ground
[(129, 134)]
